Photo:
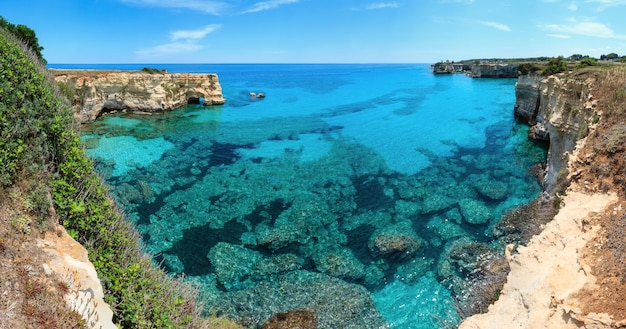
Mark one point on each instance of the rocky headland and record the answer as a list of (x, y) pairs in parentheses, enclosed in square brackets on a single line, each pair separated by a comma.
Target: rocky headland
[(571, 275), (93, 92), (478, 70)]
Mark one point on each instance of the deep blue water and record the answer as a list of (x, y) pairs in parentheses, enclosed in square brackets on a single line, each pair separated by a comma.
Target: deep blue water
[(344, 190)]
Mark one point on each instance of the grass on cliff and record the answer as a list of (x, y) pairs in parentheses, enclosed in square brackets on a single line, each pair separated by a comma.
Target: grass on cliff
[(42, 158)]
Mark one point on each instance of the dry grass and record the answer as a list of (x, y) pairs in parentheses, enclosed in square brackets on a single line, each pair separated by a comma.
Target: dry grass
[(29, 298)]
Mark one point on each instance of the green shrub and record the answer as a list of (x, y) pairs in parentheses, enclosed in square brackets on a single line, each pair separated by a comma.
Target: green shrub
[(526, 68), (26, 35), (586, 62), (555, 65), (153, 70)]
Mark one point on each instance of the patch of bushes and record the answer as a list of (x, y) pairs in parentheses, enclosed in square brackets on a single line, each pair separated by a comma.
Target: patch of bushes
[(526, 68), (25, 35), (555, 65), (152, 70), (586, 62), (614, 139)]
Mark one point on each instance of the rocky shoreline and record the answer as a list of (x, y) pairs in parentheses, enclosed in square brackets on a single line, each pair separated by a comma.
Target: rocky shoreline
[(93, 92), (568, 275)]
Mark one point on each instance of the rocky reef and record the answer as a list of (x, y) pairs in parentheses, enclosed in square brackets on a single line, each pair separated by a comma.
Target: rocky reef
[(94, 92)]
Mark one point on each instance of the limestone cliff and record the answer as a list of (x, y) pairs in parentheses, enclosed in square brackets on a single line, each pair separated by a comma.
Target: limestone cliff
[(94, 92), (571, 275), (494, 71), (559, 111), (447, 67), (482, 70)]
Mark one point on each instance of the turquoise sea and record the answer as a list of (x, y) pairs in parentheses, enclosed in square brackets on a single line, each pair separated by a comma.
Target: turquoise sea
[(349, 189)]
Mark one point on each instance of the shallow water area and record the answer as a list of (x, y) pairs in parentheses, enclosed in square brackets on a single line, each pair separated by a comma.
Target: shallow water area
[(349, 189)]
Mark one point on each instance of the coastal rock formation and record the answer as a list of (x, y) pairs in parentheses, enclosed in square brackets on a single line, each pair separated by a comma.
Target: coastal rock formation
[(558, 110), (482, 70), (67, 258), (584, 242), (447, 67), (94, 92), (527, 97), (494, 71), (546, 274)]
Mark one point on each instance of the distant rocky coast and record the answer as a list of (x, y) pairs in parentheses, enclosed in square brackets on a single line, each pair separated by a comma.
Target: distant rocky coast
[(479, 70)]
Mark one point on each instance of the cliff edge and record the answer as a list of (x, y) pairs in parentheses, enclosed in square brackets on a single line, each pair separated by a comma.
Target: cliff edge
[(94, 92), (572, 274)]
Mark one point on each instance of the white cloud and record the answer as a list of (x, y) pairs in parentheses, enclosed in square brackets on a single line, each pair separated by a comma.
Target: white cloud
[(589, 29), (183, 42), (572, 6), (207, 6), (266, 5), (465, 2), (559, 36), (170, 49), (604, 4), (381, 5), (495, 25), (194, 34)]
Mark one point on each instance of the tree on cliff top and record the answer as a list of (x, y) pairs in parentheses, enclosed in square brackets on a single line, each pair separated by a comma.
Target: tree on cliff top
[(26, 35)]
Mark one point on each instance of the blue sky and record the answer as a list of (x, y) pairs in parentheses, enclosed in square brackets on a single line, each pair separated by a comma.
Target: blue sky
[(318, 31)]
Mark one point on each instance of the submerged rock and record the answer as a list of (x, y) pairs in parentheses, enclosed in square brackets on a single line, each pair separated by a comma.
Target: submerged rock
[(295, 319), (277, 264), (490, 188), (474, 211), (397, 241), (232, 264), (339, 263), (436, 202), (337, 304)]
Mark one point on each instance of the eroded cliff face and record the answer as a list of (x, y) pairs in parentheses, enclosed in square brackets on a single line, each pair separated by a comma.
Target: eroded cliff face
[(494, 71), (560, 112), (570, 275), (94, 92)]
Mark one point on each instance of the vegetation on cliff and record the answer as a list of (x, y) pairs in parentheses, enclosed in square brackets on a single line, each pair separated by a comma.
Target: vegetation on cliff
[(46, 171), (24, 34)]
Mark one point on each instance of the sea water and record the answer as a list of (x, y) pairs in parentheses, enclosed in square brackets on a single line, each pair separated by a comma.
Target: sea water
[(344, 190)]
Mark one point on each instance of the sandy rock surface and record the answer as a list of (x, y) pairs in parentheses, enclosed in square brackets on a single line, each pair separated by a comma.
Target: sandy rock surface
[(547, 272)]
